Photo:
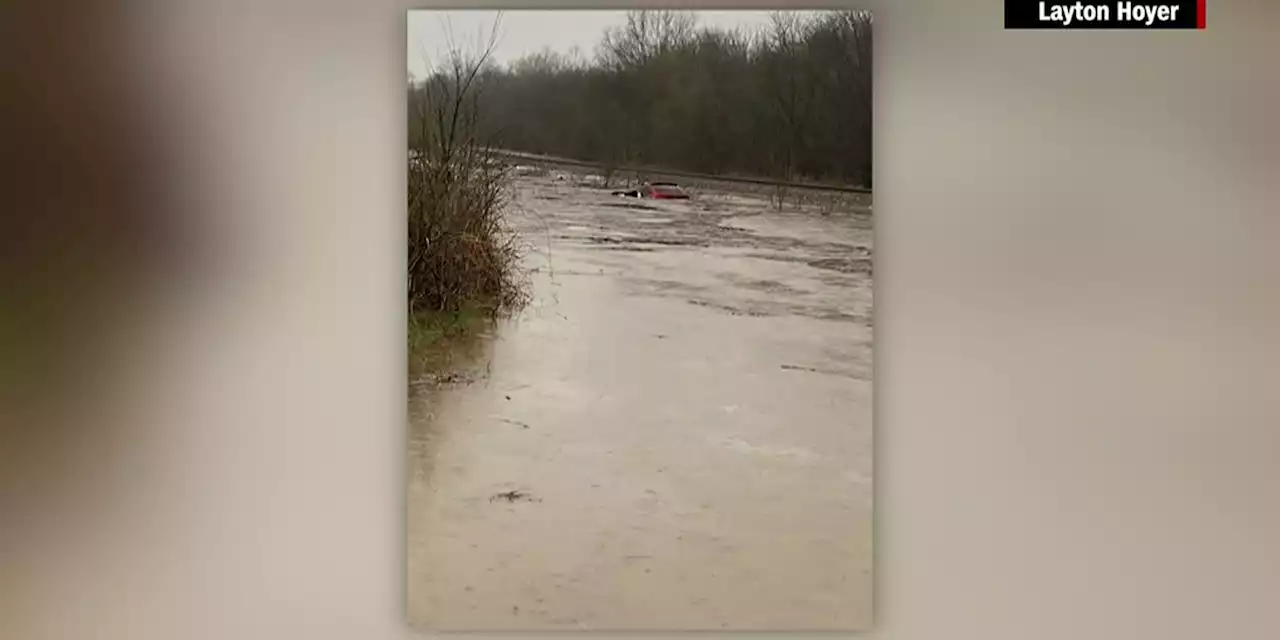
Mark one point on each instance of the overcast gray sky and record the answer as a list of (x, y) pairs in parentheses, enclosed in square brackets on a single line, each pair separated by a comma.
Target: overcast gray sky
[(524, 32)]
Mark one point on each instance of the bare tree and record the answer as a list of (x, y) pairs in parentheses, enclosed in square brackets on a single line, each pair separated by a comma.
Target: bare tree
[(790, 77), (646, 35)]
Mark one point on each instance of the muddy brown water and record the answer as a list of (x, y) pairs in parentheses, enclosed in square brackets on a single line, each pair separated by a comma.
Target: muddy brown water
[(675, 435)]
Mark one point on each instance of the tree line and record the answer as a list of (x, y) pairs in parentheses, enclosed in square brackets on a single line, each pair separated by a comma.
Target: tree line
[(790, 99)]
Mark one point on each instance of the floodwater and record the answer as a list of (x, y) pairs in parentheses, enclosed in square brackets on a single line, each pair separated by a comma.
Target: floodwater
[(675, 435)]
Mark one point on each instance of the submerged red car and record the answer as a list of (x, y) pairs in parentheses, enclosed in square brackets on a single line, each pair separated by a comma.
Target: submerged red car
[(656, 191)]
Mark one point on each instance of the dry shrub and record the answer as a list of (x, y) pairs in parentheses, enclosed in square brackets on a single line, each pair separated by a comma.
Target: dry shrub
[(462, 255)]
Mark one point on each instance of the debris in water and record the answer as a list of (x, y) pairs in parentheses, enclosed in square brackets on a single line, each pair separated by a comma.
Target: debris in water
[(450, 377), (515, 495), (796, 367), (522, 425), (632, 205), (833, 372)]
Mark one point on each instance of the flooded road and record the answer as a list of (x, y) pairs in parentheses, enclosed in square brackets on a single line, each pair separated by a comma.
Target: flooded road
[(676, 434)]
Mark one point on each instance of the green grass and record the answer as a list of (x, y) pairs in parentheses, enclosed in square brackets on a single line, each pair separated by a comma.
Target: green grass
[(438, 340), (428, 329)]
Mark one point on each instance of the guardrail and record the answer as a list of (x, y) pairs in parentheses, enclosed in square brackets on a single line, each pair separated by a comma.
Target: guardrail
[(534, 158)]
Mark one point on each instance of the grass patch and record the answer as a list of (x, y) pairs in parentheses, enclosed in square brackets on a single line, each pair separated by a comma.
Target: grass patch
[(427, 329), (440, 340)]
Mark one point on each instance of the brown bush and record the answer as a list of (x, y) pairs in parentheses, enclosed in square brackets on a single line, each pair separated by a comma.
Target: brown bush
[(462, 255)]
